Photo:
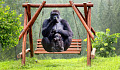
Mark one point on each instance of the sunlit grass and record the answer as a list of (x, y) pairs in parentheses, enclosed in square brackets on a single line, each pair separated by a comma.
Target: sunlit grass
[(99, 63)]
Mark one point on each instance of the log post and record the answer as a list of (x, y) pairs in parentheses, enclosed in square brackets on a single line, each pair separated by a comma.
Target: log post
[(30, 31), (31, 22), (82, 20), (88, 38), (85, 10), (24, 38)]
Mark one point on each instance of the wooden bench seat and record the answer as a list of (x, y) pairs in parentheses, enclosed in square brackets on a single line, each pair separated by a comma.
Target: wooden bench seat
[(74, 48)]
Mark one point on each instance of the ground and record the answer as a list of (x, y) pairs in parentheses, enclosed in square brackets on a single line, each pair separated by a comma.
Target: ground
[(99, 63)]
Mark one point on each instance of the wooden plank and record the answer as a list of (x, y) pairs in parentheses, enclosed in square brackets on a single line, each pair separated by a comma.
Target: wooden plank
[(73, 40), (71, 43), (65, 52), (74, 46), (69, 49), (39, 40), (76, 40)]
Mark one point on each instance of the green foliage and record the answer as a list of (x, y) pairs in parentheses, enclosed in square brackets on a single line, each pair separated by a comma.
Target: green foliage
[(10, 26), (111, 63), (104, 43)]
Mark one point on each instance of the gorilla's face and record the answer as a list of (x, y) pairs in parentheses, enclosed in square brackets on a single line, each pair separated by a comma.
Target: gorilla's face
[(54, 15)]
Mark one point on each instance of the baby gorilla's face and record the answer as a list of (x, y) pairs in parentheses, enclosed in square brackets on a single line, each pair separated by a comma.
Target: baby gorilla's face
[(57, 37)]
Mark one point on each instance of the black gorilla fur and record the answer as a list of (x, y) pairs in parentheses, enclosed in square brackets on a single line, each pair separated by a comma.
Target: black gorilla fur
[(57, 34)]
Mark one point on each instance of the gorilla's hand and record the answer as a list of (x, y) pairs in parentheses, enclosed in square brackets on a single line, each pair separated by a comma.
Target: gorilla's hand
[(53, 31), (63, 32), (54, 21)]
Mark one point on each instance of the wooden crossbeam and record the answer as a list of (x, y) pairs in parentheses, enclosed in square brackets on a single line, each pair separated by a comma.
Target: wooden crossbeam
[(57, 5)]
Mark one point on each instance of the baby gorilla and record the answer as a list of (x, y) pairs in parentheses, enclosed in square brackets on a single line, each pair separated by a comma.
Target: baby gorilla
[(57, 43)]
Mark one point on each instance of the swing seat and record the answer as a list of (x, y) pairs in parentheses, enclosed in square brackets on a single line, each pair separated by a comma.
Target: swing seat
[(74, 48)]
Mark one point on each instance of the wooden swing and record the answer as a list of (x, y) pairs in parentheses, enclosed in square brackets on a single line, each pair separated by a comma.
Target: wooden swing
[(75, 47)]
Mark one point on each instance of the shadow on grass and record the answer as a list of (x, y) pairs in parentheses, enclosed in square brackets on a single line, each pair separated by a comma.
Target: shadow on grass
[(52, 65)]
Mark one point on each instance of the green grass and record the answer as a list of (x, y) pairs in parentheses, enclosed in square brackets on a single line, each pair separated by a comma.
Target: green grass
[(99, 63)]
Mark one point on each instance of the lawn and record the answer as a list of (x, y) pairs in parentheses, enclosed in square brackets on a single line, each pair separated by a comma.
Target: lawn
[(99, 63)]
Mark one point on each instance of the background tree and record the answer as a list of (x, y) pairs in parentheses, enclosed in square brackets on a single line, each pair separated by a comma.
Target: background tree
[(10, 27)]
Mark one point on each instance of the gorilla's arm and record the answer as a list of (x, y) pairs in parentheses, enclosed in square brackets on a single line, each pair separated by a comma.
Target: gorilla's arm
[(67, 32), (47, 27)]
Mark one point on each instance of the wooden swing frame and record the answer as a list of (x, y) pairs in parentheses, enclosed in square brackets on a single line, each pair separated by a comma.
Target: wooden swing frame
[(28, 22)]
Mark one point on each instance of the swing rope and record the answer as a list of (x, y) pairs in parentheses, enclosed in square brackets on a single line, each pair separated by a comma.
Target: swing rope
[(76, 24), (41, 24)]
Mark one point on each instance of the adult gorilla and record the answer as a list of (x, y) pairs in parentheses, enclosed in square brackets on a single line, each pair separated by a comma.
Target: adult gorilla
[(57, 34)]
